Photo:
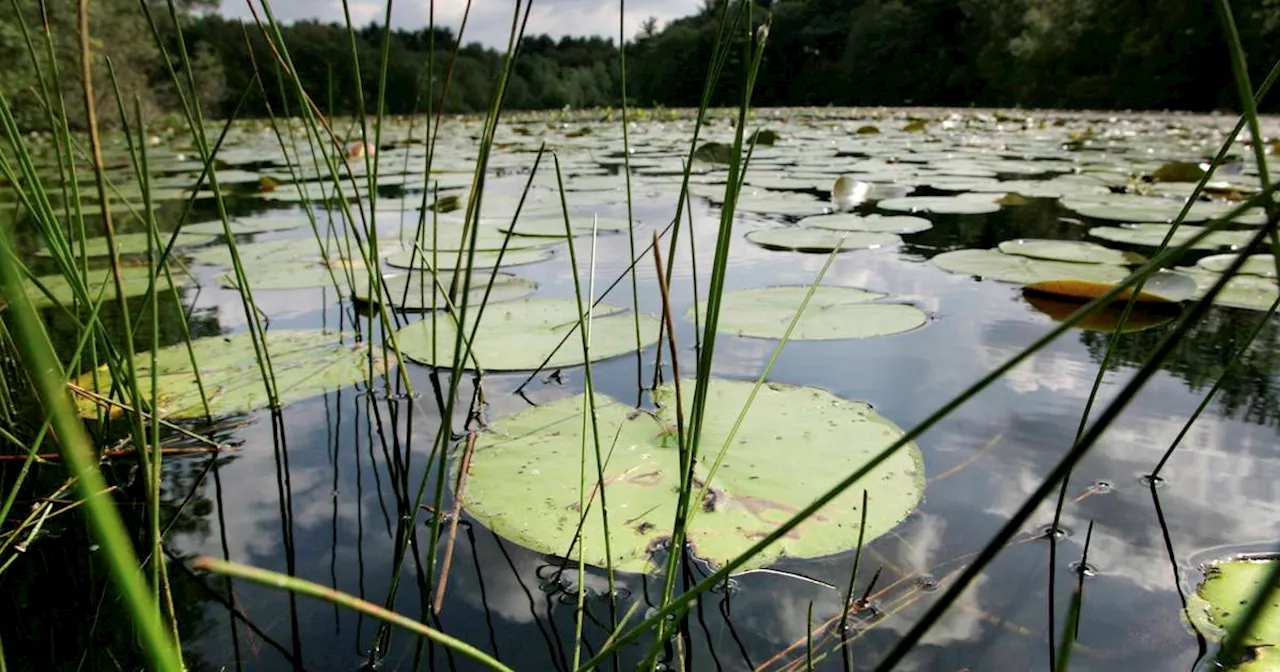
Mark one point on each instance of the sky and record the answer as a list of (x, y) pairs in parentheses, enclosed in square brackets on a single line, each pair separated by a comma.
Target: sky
[(490, 20)]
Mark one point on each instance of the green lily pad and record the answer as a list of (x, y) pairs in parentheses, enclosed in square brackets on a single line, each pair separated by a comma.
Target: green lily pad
[(871, 223), (553, 227), (132, 243), (1076, 251), (1151, 235), (1223, 599), (1263, 265), (714, 152), (1130, 208), (832, 313), (135, 281), (248, 225), (294, 274), (795, 443), (1178, 171), (940, 205), (777, 204), (268, 252), (414, 291), (996, 265), (819, 240), (1250, 292), (304, 363), (518, 336), (422, 260)]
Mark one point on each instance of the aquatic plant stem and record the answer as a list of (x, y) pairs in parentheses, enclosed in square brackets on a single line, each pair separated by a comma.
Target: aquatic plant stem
[(458, 491), (309, 589), (715, 578)]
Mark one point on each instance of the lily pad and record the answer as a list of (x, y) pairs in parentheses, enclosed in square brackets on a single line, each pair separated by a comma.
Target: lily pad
[(135, 281), (553, 227), (421, 260), (1263, 265), (304, 363), (1076, 251), (132, 243), (1151, 235), (795, 443), (248, 225), (832, 313), (996, 265), (1226, 595), (1242, 291), (1130, 208), (818, 240), (295, 274), (1161, 287), (871, 223), (414, 291), (940, 205), (1103, 319), (518, 336)]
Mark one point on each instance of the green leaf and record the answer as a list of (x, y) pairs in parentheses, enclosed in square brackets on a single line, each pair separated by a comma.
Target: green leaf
[(714, 152), (870, 223), (764, 138), (1075, 251), (518, 336), (794, 444), (996, 265), (135, 281), (1178, 171), (424, 259), (1250, 292), (305, 364), (416, 291), (832, 313), (1151, 235), (818, 240), (1226, 595), (248, 225), (132, 244), (1263, 265), (940, 205)]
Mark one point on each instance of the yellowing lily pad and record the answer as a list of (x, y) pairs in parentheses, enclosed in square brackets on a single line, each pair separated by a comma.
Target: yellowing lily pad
[(795, 443), (1222, 601), (1075, 251), (1103, 319), (417, 292), (832, 313), (305, 364), (871, 223), (133, 243), (819, 240), (519, 335), (996, 265), (1161, 287)]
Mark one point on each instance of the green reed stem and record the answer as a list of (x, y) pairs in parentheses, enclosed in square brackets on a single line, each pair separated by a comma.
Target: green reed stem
[(327, 594), (102, 517)]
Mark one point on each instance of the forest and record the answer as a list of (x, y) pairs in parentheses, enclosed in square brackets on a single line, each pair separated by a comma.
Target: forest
[(1095, 54)]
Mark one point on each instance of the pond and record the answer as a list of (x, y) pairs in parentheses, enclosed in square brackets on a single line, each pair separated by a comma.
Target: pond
[(328, 489)]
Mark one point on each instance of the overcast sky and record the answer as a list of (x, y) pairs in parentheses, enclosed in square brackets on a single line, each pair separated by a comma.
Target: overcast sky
[(490, 20)]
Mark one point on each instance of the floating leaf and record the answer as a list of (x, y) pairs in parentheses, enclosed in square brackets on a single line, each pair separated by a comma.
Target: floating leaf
[(867, 130), (1263, 265), (1226, 595), (553, 227), (795, 443), (269, 252), (1160, 288), (1242, 291), (714, 152), (417, 291), (304, 364), (765, 138), (295, 274), (778, 204), (818, 240), (941, 205), (1129, 208), (518, 336), (996, 265), (832, 313), (916, 126), (1076, 251), (1103, 319), (134, 279), (132, 244), (1151, 235), (871, 223), (1178, 171), (425, 259), (248, 225)]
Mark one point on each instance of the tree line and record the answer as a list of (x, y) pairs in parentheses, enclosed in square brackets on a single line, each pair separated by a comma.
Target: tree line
[(1100, 54)]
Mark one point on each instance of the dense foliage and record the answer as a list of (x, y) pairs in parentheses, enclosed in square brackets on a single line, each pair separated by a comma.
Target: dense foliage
[(1033, 53)]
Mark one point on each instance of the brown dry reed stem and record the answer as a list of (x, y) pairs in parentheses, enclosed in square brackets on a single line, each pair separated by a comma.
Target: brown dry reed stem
[(671, 336), (454, 515)]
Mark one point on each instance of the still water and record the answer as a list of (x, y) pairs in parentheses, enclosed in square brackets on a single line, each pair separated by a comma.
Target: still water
[(325, 490)]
